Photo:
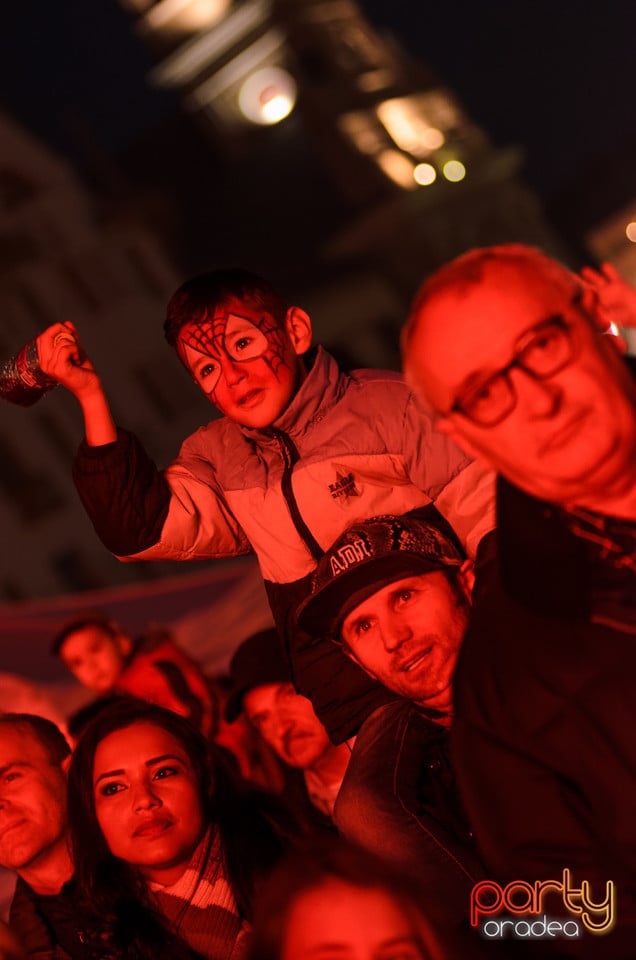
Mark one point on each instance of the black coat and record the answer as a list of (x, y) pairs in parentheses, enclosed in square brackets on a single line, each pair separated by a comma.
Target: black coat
[(544, 738)]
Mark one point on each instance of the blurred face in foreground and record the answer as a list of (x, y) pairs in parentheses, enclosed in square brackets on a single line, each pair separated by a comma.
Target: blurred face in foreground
[(408, 635), (286, 720), (519, 375), (340, 920), (246, 362), (147, 800)]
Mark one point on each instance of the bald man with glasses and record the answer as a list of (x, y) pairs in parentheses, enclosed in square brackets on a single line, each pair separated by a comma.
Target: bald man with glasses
[(509, 349)]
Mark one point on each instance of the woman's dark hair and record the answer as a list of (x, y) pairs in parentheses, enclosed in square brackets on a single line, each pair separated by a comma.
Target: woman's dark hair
[(81, 717), (255, 830), (196, 300), (311, 866)]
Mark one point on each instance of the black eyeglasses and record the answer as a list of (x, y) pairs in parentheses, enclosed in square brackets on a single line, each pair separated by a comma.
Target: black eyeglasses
[(540, 352)]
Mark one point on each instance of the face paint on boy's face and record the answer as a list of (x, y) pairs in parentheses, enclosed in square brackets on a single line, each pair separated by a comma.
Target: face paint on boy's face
[(236, 339), (242, 362)]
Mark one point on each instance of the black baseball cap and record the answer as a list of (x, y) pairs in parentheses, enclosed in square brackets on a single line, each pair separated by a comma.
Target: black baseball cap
[(259, 660), (368, 556)]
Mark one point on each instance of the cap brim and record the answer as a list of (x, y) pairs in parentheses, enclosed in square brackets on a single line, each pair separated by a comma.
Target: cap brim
[(322, 614)]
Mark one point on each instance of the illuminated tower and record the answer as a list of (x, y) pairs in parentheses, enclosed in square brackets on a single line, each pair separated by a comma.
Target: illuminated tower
[(226, 60), (421, 180), (425, 180), (413, 181)]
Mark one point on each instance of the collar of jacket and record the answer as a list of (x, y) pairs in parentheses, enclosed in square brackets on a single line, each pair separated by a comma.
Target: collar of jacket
[(321, 389), (543, 565)]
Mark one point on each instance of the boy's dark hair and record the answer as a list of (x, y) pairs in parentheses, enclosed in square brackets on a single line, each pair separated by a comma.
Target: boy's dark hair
[(93, 618), (42, 730), (197, 298)]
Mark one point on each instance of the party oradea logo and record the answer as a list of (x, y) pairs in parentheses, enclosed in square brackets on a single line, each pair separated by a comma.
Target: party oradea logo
[(544, 910)]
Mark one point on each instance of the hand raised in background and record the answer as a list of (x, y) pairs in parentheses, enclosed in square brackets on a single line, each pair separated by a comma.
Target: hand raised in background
[(616, 299), (63, 358)]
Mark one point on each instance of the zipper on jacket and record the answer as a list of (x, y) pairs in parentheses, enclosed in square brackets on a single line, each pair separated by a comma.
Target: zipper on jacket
[(290, 457)]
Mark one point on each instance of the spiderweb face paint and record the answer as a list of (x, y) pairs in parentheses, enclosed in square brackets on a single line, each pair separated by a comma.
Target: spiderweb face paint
[(239, 338)]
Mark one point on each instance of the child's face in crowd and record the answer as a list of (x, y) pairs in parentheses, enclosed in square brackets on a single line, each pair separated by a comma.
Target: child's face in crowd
[(245, 362), (95, 657), (147, 800), (350, 923), (286, 720)]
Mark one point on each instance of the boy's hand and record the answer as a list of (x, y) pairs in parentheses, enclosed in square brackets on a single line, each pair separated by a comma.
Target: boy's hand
[(63, 358), (616, 302)]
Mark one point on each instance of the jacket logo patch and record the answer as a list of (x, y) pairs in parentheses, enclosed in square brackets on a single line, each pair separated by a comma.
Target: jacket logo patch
[(348, 555), (344, 486)]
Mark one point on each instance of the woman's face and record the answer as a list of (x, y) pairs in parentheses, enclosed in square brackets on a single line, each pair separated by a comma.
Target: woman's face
[(147, 800), (338, 920)]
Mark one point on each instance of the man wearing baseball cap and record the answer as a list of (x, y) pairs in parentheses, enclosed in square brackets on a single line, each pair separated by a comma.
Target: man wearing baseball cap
[(395, 593), (262, 689)]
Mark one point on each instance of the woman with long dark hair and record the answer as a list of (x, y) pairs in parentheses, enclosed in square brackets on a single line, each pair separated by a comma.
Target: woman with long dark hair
[(169, 844)]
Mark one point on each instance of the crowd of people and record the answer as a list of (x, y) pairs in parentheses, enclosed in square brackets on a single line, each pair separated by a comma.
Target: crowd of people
[(437, 747)]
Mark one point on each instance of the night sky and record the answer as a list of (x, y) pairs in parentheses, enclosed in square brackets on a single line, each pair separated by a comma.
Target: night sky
[(556, 78)]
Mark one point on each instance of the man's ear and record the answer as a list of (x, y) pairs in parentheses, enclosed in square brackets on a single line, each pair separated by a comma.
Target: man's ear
[(466, 577), (298, 327)]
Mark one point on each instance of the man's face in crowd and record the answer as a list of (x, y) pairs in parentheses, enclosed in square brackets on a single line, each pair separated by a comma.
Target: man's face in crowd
[(95, 657), (408, 634), (244, 361), (32, 800), (573, 430), (287, 722)]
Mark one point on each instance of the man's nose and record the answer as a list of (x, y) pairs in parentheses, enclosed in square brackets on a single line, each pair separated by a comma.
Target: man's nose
[(395, 632), (540, 398), (278, 726)]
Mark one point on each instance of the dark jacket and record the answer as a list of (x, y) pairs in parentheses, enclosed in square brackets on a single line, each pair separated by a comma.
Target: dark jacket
[(47, 925), (544, 737), (399, 799)]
